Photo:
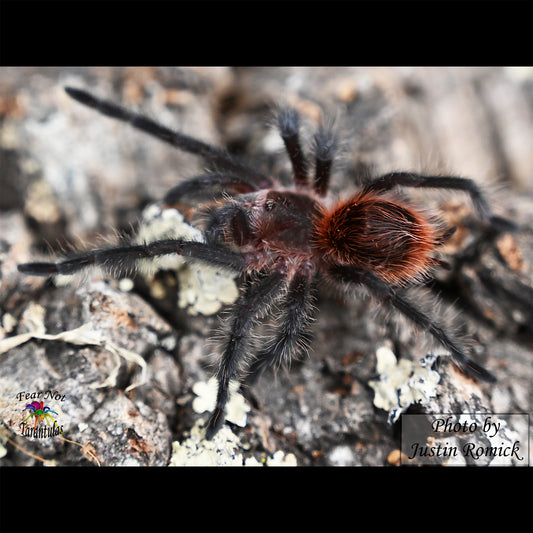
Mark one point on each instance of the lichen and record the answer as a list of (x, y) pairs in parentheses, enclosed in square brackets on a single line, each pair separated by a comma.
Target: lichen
[(203, 289), (196, 450), (236, 407), (225, 449), (402, 383)]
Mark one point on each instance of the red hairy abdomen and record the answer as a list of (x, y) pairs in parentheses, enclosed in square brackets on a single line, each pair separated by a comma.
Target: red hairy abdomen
[(372, 233)]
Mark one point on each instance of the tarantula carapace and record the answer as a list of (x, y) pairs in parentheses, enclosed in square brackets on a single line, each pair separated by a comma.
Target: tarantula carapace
[(284, 239)]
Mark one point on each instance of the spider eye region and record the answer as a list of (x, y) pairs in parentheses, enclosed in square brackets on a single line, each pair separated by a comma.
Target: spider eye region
[(285, 220), (270, 205), (392, 240)]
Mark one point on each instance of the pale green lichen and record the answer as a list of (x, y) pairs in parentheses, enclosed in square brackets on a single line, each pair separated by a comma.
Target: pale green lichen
[(224, 449), (203, 289), (158, 223), (402, 383), (206, 393)]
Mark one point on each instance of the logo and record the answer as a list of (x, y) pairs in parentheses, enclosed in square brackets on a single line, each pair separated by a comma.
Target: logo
[(39, 413)]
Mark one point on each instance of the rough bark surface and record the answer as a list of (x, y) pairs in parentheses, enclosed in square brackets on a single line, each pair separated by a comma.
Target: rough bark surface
[(69, 175)]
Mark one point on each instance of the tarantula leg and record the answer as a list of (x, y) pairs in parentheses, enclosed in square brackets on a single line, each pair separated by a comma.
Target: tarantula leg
[(289, 125), (293, 336), (122, 260), (386, 293), (188, 144), (253, 301), (214, 185), (325, 148), (408, 179)]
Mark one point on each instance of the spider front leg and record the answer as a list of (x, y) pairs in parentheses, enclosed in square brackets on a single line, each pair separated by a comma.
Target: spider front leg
[(388, 294), (123, 260), (289, 126), (325, 149), (253, 302), (409, 179), (294, 320)]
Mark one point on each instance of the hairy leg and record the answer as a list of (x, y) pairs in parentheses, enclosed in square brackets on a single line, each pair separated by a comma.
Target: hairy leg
[(293, 335), (408, 179), (325, 148), (253, 301), (210, 153), (388, 294), (213, 185), (123, 259), (289, 126)]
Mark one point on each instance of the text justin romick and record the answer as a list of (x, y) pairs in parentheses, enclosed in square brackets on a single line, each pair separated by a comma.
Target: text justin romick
[(470, 449)]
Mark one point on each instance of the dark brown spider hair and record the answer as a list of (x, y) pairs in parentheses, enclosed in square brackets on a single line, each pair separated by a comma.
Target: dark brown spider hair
[(284, 239)]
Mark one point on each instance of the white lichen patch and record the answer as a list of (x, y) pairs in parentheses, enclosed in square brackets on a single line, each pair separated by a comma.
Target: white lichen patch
[(206, 392), (280, 458), (126, 284), (225, 449), (222, 450), (402, 383), (203, 289), (157, 224), (8, 323)]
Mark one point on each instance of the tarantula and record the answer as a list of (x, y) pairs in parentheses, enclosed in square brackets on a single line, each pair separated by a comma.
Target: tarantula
[(283, 239)]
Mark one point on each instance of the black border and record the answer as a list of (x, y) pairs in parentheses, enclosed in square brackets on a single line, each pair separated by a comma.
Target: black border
[(376, 32), (310, 499)]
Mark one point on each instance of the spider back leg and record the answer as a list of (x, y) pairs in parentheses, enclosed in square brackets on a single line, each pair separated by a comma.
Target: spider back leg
[(409, 179), (392, 296)]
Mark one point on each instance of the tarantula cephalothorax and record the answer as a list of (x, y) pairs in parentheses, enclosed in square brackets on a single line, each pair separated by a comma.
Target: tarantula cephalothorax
[(282, 239)]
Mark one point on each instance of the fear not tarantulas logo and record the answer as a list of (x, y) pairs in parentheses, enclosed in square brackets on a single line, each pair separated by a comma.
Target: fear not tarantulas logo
[(40, 413)]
